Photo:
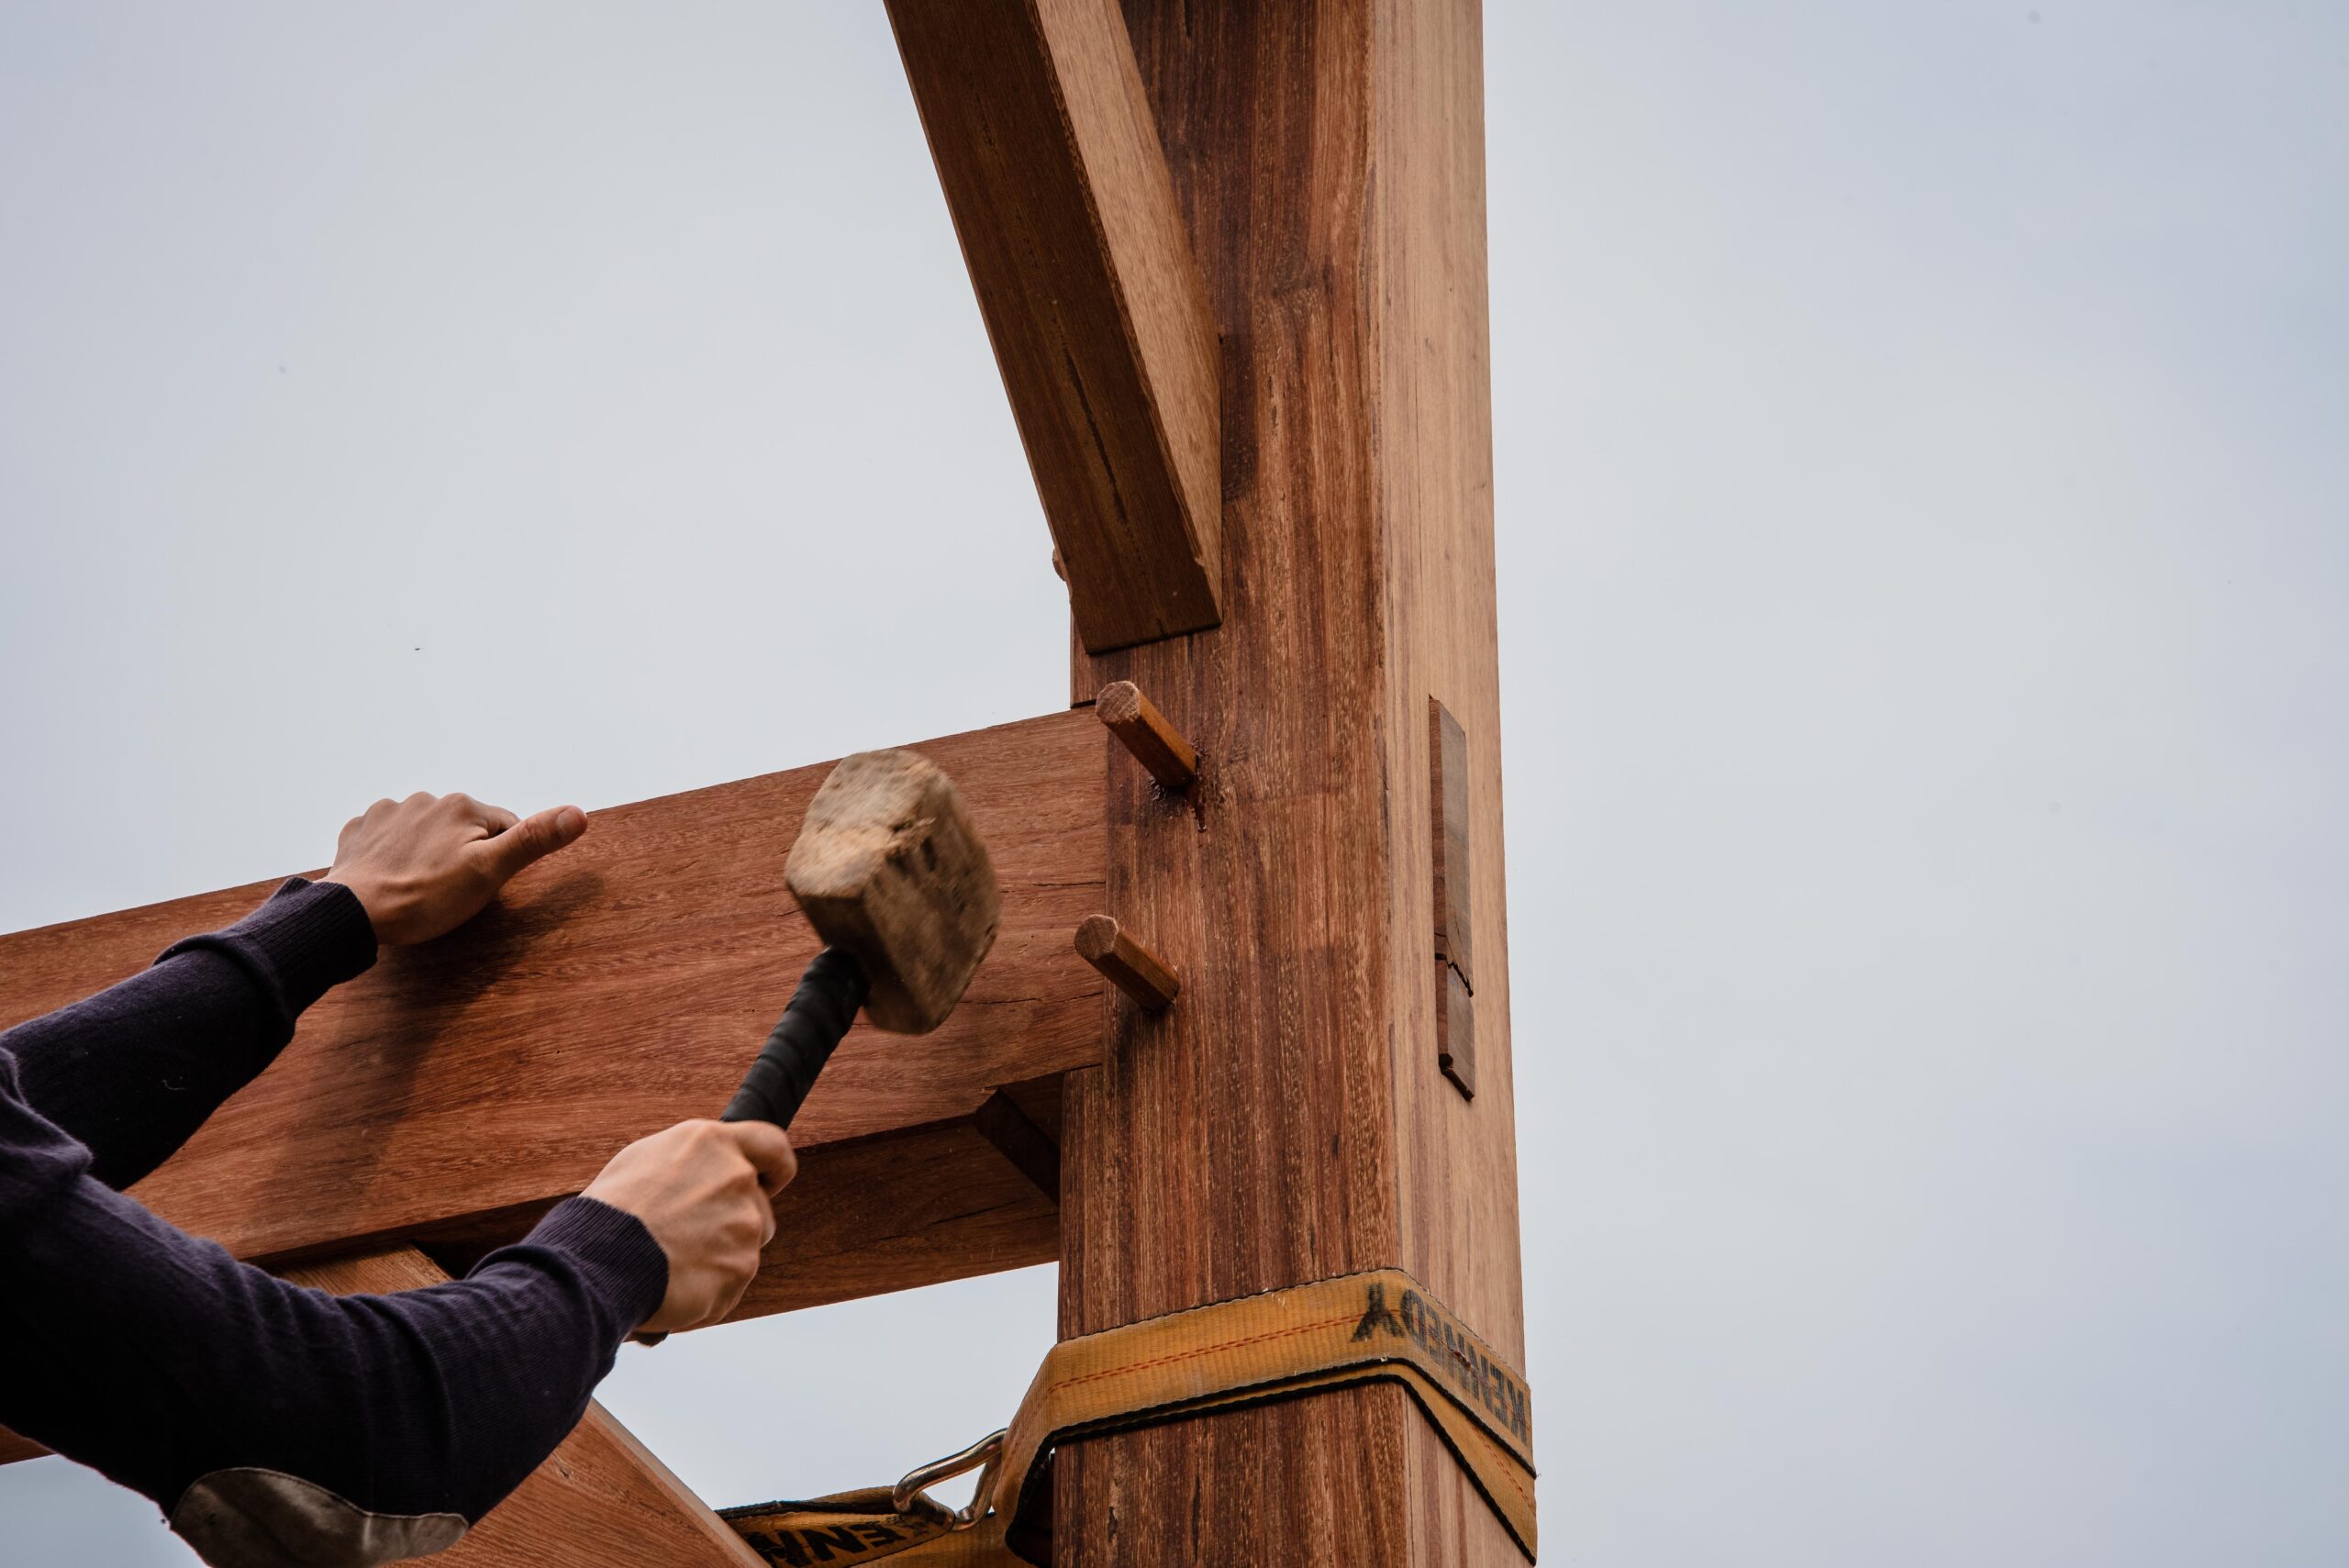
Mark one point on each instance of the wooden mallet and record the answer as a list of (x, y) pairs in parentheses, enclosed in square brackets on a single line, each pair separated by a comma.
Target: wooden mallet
[(890, 872)]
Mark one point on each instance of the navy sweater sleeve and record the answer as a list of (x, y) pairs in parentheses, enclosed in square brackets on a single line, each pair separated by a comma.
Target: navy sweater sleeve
[(159, 1359), (133, 1072)]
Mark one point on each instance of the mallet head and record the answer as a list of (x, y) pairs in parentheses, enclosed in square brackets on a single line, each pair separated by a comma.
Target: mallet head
[(888, 866)]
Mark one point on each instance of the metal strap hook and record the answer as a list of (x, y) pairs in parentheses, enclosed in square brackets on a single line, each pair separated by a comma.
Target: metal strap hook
[(983, 1456)]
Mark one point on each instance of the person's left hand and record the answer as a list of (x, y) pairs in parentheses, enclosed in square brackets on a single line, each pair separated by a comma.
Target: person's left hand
[(427, 864)]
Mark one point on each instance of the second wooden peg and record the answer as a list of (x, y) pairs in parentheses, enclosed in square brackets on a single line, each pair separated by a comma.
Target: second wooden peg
[(1131, 967), (1155, 743)]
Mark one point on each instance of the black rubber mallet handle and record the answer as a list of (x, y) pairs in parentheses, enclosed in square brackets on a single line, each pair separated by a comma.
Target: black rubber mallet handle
[(815, 1021), (820, 1011)]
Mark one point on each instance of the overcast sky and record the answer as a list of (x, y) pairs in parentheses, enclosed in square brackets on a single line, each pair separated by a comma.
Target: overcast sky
[(1923, 531)]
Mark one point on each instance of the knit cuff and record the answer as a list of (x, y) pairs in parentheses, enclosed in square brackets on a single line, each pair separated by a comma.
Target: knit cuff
[(315, 936), (619, 1256)]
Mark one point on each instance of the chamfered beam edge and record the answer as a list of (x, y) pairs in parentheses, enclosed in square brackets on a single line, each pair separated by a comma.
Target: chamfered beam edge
[(1060, 192)]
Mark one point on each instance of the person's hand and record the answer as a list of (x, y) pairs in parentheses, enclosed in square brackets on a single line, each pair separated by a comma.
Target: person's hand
[(705, 1190), (427, 864)]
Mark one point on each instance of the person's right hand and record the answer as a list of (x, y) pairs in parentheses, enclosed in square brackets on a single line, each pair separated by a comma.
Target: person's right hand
[(705, 1190)]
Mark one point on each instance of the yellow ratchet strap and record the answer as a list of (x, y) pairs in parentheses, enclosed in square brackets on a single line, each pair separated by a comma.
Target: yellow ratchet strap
[(1296, 1340)]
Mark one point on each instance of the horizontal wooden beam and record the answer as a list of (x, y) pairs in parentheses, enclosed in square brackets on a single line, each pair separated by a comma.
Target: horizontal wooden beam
[(940, 1203), (601, 1500), (1061, 199), (864, 1218), (620, 986)]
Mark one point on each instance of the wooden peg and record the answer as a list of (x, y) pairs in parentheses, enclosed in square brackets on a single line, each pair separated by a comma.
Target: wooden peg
[(1131, 967), (1155, 743)]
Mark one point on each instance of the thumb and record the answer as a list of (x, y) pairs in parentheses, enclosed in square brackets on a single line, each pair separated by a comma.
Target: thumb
[(531, 839)]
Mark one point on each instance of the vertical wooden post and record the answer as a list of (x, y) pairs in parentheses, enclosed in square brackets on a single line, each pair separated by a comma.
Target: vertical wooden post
[(1287, 1119)]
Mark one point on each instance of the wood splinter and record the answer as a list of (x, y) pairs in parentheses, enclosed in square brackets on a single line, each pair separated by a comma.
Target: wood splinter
[(1129, 966), (1156, 744)]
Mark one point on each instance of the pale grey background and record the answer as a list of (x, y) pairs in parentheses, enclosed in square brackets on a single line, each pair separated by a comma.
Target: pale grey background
[(1921, 533)]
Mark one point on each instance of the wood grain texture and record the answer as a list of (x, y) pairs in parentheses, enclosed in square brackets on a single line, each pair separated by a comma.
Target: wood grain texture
[(886, 1214), (601, 1500), (1044, 147), (619, 987), (1287, 1121)]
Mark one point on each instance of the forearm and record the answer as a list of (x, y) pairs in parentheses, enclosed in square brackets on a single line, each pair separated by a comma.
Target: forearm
[(162, 1361), (134, 1070)]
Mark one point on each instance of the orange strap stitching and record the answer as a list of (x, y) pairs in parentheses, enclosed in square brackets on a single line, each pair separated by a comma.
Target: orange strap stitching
[(1205, 1350)]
